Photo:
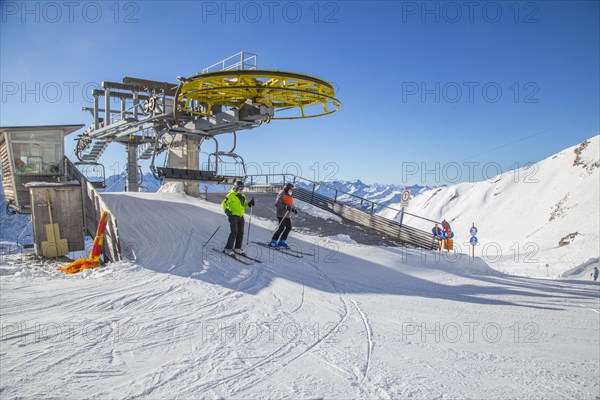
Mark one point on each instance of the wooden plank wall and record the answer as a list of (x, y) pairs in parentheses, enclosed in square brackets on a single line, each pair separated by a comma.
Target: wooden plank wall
[(93, 206), (7, 176), (65, 202)]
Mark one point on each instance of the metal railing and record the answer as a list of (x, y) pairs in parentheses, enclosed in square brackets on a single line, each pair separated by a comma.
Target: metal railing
[(398, 230), (244, 59)]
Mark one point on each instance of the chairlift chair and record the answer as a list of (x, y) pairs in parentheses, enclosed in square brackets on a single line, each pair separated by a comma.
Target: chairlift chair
[(213, 173), (94, 172)]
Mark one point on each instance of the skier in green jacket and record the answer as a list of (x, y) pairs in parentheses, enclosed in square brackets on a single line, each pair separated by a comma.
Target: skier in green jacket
[(234, 206)]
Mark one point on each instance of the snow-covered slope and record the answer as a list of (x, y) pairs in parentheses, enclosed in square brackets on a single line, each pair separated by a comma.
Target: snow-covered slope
[(548, 213), (352, 321)]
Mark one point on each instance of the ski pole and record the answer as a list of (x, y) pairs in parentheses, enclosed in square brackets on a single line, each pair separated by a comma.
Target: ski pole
[(249, 225), (281, 222), (211, 236)]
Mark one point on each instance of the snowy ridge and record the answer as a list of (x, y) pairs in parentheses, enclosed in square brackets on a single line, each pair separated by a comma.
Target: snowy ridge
[(527, 218)]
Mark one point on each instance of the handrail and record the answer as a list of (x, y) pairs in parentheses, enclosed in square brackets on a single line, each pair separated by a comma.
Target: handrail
[(241, 64), (362, 199), (398, 230)]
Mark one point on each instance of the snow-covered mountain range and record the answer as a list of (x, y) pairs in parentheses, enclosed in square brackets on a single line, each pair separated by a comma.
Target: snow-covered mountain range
[(382, 194), (547, 213), (351, 191), (116, 183)]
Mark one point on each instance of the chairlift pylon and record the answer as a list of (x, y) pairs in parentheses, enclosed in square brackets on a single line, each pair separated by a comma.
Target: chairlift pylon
[(238, 97)]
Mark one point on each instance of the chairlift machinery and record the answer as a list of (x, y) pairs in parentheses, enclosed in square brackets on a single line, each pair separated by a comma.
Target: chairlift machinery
[(153, 117)]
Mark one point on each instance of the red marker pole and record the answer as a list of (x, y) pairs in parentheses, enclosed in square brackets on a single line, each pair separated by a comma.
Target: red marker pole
[(473, 246), (447, 230)]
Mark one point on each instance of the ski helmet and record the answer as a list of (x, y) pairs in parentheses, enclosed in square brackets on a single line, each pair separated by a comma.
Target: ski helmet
[(239, 185), (288, 187)]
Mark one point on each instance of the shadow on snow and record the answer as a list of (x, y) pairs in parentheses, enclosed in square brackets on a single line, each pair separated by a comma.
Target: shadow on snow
[(171, 238)]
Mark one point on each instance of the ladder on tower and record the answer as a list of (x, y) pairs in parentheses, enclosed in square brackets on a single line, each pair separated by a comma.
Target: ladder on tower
[(145, 151), (97, 149)]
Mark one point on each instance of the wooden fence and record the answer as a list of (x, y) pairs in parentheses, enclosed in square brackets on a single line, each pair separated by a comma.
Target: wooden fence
[(93, 206)]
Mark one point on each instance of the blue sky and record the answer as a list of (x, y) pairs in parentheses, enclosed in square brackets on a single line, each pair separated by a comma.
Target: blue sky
[(432, 92)]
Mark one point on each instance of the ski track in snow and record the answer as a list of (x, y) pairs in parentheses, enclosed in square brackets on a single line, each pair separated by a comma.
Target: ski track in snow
[(370, 340), (591, 309), (308, 347), (274, 360), (132, 297), (331, 283)]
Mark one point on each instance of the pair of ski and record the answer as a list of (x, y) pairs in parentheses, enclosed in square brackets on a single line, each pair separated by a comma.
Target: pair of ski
[(247, 260), (293, 253), (243, 258)]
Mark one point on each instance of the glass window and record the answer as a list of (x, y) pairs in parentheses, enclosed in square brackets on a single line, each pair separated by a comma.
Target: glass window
[(38, 152)]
